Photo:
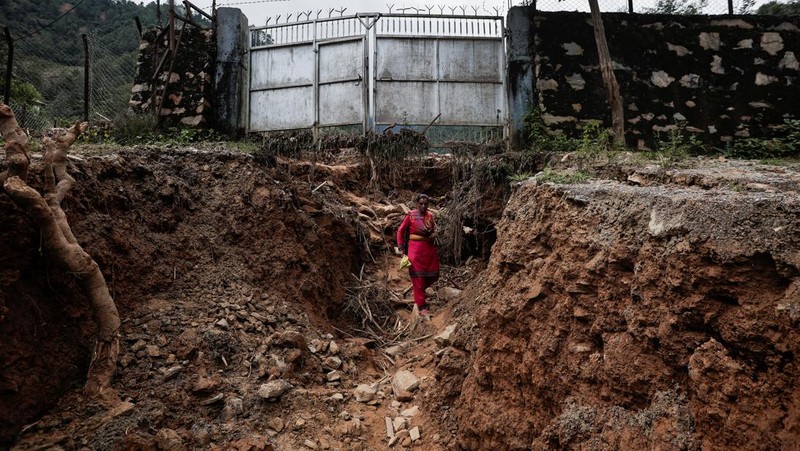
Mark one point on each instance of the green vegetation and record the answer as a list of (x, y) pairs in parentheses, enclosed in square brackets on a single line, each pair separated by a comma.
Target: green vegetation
[(49, 55), (674, 146), (784, 143), (780, 9)]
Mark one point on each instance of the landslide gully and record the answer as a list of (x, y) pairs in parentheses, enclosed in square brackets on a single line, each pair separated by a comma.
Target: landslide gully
[(614, 316)]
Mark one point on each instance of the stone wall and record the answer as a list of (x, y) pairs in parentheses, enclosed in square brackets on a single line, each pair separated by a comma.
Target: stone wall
[(722, 77), (189, 93)]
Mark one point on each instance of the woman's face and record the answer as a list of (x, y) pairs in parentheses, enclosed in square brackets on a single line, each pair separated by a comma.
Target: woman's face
[(422, 205)]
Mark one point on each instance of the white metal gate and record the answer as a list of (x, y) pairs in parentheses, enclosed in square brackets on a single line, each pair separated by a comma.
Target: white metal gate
[(374, 71)]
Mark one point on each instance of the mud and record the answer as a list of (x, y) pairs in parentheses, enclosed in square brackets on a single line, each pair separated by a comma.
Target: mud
[(637, 316), (648, 308)]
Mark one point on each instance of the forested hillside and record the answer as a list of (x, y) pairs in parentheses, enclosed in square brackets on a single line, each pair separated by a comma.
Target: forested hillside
[(49, 55)]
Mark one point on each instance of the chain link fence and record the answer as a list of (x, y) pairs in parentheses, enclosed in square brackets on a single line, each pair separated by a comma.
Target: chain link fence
[(705, 7), (48, 76)]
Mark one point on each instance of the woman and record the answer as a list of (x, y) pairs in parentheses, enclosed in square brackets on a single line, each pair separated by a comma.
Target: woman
[(415, 239)]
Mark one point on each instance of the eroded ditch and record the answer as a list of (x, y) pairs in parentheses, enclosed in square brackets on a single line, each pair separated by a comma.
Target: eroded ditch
[(657, 310)]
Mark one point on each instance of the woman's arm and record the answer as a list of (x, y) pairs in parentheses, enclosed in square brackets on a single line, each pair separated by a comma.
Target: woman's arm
[(402, 234)]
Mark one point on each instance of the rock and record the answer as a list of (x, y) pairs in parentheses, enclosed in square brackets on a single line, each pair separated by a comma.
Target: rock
[(274, 389), (310, 444), (404, 396), (404, 381), (333, 376), (204, 385), (394, 351), (223, 323), (406, 442), (410, 412), (333, 348), (426, 361), (399, 423), (276, 424), (139, 345), (337, 397), (355, 427), (212, 400), (364, 393), (447, 293), (153, 351), (414, 433), (233, 408), (661, 79), (332, 363), (169, 440), (389, 427), (444, 338), (172, 372)]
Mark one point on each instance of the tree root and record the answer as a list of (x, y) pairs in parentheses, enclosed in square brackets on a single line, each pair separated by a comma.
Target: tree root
[(57, 236)]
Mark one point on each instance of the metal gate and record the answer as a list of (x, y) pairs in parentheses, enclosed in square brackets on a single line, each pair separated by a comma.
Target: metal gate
[(439, 73)]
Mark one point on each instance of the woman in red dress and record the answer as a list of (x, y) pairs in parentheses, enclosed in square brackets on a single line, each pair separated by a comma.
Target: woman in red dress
[(415, 239)]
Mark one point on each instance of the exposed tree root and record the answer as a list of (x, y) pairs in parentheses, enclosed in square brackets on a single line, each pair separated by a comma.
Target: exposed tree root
[(57, 236)]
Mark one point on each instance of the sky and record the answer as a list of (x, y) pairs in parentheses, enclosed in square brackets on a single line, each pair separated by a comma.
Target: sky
[(257, 11)]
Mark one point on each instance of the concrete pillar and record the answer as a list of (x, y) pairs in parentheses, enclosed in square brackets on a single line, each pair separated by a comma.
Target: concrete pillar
[(232, 71), (521, 95)]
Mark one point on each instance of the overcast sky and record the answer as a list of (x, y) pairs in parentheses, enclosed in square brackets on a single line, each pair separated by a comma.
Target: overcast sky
[(257, 11)]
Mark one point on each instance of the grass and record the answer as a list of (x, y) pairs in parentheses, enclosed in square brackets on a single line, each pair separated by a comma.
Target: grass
[(565, 177)]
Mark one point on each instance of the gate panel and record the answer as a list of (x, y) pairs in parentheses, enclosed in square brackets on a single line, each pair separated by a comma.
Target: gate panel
[(471, 103), (341, 83), (471, 60), (405, 103), (282, 66), (282, 109)]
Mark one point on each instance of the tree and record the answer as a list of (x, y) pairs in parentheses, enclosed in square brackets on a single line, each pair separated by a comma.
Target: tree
[(780, 9), (57, 235), (607, 71), (687, 7)]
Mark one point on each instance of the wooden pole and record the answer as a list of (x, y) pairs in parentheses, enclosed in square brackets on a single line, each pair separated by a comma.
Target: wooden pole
[(9, 66), (85, 78), (607, 71), (630, 6)]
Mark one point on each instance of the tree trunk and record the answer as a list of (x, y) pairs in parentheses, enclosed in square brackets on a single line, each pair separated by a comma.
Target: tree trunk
[(607, 71), (57, 236)]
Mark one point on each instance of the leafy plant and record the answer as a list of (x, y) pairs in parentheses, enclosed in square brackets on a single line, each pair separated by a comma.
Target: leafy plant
[(540, 139), (675, 145), (785, 143)]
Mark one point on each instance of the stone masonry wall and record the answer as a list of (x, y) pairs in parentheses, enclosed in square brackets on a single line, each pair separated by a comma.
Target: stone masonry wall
[(723, 77), (189, 93)]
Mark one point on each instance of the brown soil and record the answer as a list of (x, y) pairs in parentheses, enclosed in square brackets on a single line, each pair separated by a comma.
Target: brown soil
[(642, 313)]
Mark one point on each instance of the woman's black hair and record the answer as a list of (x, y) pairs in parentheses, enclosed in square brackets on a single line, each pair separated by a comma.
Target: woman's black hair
[(421, 196)]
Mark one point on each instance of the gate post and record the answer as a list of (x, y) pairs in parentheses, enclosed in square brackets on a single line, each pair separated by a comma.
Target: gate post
[(231, 93)]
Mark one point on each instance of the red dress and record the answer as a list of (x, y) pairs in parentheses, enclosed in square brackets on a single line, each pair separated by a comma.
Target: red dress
[(414, 237)]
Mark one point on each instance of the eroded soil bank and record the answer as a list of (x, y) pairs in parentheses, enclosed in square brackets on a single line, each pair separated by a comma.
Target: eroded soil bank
[(649, 308), (657, 312)]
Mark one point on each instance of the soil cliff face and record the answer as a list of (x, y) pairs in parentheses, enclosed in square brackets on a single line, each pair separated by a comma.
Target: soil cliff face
[(634, 317), (180, 236)]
